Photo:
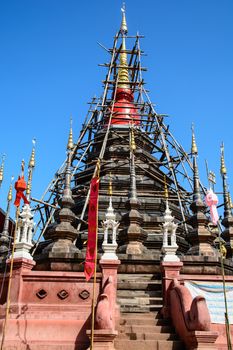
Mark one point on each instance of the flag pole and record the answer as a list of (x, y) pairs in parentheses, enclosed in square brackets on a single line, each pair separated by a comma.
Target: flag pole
[(10, 279), (97, 173)]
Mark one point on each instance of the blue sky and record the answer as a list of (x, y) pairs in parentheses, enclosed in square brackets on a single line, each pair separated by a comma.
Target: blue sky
[(49, 69)]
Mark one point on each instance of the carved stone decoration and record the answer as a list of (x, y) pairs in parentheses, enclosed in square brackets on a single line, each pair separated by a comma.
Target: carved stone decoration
[(103, 315), (103, 310), (84, 294), (169, 247), (24, 233), (41, 294), (110, 232), (63, 294)]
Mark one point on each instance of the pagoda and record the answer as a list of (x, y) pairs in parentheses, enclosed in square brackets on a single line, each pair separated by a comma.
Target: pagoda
[(159, 256)]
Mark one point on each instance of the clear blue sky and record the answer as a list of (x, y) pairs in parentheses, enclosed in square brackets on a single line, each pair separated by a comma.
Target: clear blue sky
[(49, 69)]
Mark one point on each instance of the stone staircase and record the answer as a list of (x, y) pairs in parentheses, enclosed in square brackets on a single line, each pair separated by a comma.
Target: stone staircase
[(141, 326)]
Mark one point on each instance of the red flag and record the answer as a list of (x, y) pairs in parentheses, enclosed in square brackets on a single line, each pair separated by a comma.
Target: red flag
[(20, 187), (92, 229)]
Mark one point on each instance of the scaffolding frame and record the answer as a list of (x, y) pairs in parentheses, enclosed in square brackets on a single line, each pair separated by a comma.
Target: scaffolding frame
[(170, 156)]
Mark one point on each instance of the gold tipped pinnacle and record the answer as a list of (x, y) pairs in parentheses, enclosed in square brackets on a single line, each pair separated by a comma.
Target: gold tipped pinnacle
[(194, 149), (31, 166), (132, 140), (1, 173), (32, 159), (230, 201), (29, 183), (22, 167), (110, 186), (124, 28), (31, 163), (165, 188), (123, 73), (9, 197), (70, 144), (2, 169), (223, 169)]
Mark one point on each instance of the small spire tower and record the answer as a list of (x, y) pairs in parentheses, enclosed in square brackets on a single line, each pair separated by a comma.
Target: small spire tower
[(63, 232), (5, 238), (133, 235), (227, 215), (199, 237)]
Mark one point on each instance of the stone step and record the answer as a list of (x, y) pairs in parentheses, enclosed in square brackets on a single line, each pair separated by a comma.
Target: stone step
[(138, 276), (139, 285), (148, 336), (140, 308), (140, 301), (148, 345), (146, 319), (143, 321), (148, 315), (138, 293), (142, 328), (170, 345)]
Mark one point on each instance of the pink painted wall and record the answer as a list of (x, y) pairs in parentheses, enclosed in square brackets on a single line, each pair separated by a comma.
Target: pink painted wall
[(57, 317)]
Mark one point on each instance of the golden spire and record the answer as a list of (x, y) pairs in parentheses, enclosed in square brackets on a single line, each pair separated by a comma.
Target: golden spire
[(110, 186), (32, 159), (31, 166), (123, 74), (9, 197), (2, 169), (223, 169), (132, 140), (194, 150), (165, 188), (29, 183), (229, 200), (70, 144), (124, 29)]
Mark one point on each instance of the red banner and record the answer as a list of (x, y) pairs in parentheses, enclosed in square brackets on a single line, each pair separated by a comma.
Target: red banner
[(92, 229)]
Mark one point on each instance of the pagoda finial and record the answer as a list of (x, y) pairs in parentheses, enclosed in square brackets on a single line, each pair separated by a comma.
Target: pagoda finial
[(31, 166), (70, 144), (196, 183), (194, 145), (32, 159), (2, 169), (22, 167), (67, 193), (123, 73), (124, 29), (230, 200), (223, 169), (110, 186), (165, 188), (9, 196), (132, 140)]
